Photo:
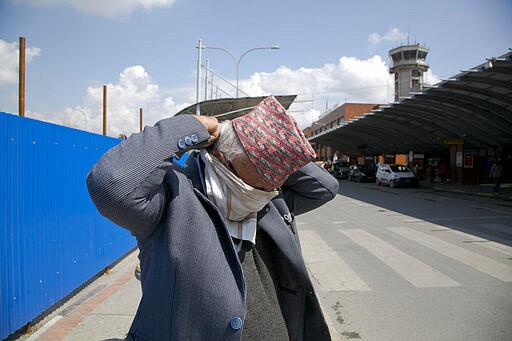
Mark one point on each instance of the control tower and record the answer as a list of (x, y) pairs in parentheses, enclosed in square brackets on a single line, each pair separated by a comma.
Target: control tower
[(408, 66)]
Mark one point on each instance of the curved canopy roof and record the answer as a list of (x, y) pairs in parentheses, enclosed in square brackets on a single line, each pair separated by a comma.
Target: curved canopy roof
[(229, 108), (473, 108)]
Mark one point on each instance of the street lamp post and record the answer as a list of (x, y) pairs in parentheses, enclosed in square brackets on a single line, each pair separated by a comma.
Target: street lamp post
[(198, 84), (237, 61)]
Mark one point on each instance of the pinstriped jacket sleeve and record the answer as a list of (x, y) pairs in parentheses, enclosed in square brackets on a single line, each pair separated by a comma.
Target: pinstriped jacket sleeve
[(309, 188), (126, 183)]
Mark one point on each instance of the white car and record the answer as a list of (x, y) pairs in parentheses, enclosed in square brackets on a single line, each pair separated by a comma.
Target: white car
[(396, 175)]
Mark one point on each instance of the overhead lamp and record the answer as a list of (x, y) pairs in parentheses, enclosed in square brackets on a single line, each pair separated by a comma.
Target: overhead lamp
[(488, 65)]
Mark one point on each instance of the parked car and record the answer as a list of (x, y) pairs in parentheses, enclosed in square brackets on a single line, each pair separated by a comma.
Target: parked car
[(341, 169), (396, 175), (361, 174)]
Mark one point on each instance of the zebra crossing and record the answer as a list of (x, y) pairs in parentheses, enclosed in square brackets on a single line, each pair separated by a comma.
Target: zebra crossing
[(329, 269), (414, 271), (462, 255), (332, 273)]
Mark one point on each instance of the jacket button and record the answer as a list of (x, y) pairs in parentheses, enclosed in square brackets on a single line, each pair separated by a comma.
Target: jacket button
[(188, 140), (181, 143), (236, 323), (194, 138)]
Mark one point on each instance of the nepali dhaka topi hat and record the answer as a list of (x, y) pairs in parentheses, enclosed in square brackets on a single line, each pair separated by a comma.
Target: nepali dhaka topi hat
[(273, 141)]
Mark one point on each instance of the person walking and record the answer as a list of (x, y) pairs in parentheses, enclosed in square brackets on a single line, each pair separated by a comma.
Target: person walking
[(219, 247), (443, 172), (432, 170), (496, 173)]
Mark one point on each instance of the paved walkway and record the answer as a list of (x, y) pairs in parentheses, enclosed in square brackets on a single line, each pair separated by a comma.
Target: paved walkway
[(483, 190), (105, 309), (102, 311)]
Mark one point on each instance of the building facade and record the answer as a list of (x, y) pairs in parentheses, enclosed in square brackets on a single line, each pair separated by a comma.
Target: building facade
[(337, 117)]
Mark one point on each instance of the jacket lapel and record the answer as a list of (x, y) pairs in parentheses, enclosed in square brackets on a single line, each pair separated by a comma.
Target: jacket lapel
[(273, 220), (193, 169)]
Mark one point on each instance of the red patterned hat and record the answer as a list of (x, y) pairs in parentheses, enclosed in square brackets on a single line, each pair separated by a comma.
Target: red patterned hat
[(274, 143)]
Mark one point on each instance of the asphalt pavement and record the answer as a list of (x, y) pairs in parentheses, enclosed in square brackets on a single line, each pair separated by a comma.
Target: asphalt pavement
[(104, 309)]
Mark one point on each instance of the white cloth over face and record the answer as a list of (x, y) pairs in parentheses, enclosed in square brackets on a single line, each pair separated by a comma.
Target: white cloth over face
[(236, 200)]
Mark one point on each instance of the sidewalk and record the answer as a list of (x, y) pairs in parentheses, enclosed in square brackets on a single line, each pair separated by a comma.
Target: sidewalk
[(483, 190), (104, 310)]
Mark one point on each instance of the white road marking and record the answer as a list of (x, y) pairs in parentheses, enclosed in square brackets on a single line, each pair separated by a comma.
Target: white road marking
[(324, 264), (492, 245), (414, 271), (472, 259)]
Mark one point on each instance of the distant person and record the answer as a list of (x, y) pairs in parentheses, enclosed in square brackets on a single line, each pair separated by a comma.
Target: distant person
[(442, 172), (496, 173), (415, 169), (432, 173)]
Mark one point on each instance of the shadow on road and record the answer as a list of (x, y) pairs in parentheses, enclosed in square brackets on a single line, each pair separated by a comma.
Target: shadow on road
[(462, 212)]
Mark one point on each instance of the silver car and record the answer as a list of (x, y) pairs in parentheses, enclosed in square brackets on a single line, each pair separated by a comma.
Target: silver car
[(396, 175)]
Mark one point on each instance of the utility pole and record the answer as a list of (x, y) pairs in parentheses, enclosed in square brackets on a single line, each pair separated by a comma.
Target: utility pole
[(140, 119), (198, 85), (21, 92), (104, 110)]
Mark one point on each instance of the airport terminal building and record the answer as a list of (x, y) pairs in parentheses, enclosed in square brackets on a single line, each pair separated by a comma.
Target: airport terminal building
[(464, 122)]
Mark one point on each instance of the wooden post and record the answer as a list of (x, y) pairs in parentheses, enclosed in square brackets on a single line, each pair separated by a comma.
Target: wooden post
[(140, 119), (21, 92), (104, 110)]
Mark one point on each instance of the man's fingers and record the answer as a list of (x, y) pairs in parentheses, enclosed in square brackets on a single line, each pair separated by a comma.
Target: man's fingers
[(213, 127)]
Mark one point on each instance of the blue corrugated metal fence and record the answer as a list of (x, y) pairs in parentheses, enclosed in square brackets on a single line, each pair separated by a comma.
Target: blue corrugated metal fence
[(52, 240)]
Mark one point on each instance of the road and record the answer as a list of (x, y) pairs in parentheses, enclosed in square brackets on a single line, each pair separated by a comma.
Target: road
[(411, 264)]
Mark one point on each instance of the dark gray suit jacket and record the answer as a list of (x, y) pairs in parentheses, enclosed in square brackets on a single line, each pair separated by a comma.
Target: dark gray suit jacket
[(192, 280)]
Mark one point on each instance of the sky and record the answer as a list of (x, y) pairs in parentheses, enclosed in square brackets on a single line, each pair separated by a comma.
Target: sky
[(331, 52)]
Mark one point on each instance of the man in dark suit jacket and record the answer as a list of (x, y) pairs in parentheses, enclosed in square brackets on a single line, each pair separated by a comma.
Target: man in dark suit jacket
[(219, 248)]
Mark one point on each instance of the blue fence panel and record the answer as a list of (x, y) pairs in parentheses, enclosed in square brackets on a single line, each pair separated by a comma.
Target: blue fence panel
[(53, 239)]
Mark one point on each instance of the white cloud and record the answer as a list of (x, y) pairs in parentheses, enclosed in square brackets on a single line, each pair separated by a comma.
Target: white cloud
[(394, 35), (78, 117), (350, 80), (106, 8), (133, 90), (9, 60), (430, 78), (306, 118)]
